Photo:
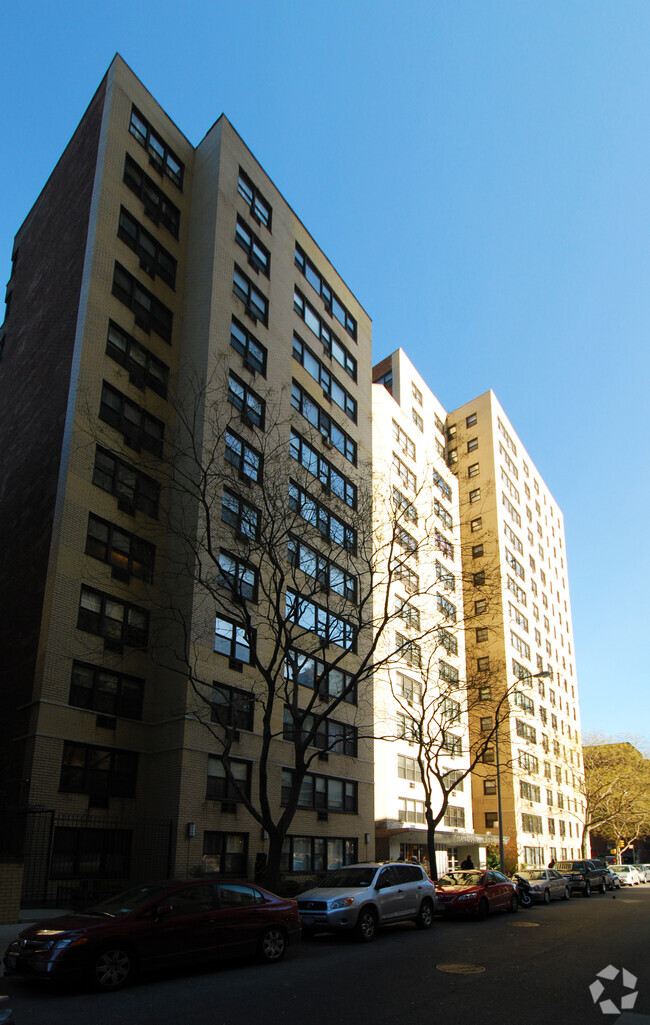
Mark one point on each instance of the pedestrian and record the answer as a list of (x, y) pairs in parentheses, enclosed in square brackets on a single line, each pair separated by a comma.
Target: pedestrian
[(551, 863), (467, 863)]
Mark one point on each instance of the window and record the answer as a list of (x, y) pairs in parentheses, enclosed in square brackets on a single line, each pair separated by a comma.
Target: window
[(514, 564), (161, 156), (140, 429), (445, 577), (405, 474), (447, 673), (332, 390), (154, 258), (150, 313), (477, 551), (407, 613), (128, 555), (448, 641), (401, 504), (233, 640), (449, 711), (443, 545), (408, 689), (481, 634), (483, 663), (405, 444), (508, 440), (511, 509), (83, 853), (252, 352), (488, 757), (473, 470), (410, 811), (480, 607), (447, 609), (316, 619), (518, 617), (529, 763), (454, 817), (491, 820), (472, 445), (408, 768), (518, 591), (489, 787), (526, 732), (470, 421), (321, 569), (224, 786), (241, 515), (478, 579), (512, 537), (100, 772), (145, 369), (524, 702), (257, 305), (452, 744), (511, 466), (317, 853), (105, 691), (246, 459), (333, 304), (329, 735), (248, 402), (232, 708), (475, 495), (237, 576), (485, 693), (416, 393), (329, 681), (333, 435), (532, 824), (324, 793), (314, 512), (408, 650), (330, 478), (409, 579), (133, 490), (260, 210), (332, 345), (476, 524), (417, 420), (509, 485), (441, 484), (406, 541), (442, 514), (519, 645), (534, 855), (258, 255), (157, 206), (385, 379), (454, 779), (118, 622)]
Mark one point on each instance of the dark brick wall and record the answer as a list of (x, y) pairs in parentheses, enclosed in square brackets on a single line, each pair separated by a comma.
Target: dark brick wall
[(39, 333)]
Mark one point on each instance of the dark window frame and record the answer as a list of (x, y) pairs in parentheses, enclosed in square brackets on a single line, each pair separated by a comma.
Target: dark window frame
[(157, 206), (147, 371), (161, 156)]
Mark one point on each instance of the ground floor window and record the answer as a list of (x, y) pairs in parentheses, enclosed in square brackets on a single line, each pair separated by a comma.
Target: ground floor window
[(225, 853), (318, 853), (79, 853), (534, 856)]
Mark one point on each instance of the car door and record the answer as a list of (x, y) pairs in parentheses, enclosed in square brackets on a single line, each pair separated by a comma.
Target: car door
[(390, 894), (241, 917), (187, 929), (499, 890), (409, 877)]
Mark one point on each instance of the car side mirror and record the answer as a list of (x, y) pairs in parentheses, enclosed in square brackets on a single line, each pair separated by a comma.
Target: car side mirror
[(163, 910)]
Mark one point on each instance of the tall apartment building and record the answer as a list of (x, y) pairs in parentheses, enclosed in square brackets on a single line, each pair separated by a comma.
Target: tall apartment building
[(169, 314), (421, 698), (520, 650)]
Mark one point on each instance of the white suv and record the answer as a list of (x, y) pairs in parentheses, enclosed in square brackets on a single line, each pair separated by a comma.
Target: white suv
[(363, 897)]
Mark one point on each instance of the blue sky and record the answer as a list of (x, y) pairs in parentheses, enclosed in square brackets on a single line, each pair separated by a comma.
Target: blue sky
[(477, 172)]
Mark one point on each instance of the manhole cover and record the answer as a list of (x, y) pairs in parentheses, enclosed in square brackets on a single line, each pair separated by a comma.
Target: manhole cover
[(461, 969), (526, 925)]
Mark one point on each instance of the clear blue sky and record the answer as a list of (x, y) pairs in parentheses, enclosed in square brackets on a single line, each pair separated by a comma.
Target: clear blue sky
[(479, 173)]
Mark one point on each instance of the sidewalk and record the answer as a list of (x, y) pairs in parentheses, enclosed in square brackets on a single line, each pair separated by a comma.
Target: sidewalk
[(9, 932)]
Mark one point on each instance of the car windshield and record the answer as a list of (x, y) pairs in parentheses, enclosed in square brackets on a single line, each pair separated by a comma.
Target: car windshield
[(535, 874), (568, 866), (461, 879), (127, 901), (348, 878)]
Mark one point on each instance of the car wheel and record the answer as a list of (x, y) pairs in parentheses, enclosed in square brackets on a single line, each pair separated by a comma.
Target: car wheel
[(603, 886), (514, 903), (113, 967), (483, 908), (587, 889), (617, 885), (566, 894), (424, 918), (366, 926), (273, 945), (547, 897)]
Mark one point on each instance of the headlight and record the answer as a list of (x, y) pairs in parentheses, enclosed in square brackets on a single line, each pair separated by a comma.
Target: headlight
[(468, 896), (341, 902), (71, 941)]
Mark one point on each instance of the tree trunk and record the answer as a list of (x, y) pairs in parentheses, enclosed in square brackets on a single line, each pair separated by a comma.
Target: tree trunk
[(272, 870), (431, 844)]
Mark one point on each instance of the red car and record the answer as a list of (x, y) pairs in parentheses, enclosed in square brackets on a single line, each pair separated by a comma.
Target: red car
[(171, 923), (475, 892)]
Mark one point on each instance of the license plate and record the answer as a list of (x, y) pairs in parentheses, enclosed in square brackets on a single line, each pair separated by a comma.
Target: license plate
[(307, 920), (11, 960)]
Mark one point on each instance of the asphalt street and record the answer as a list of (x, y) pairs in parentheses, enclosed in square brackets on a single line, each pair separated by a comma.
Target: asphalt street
[(531, 968)]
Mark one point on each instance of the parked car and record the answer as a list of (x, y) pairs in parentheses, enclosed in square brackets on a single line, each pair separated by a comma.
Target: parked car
[(612, 879), (584, 876), (627, 874), (476, 892), (158, 924), (546, 883), (359, 898), (644, 872)]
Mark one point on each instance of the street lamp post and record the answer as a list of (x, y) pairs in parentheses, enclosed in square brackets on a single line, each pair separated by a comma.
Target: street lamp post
[(545, 674)]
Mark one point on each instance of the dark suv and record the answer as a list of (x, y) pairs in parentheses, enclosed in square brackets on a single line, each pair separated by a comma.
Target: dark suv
[(583, 876)]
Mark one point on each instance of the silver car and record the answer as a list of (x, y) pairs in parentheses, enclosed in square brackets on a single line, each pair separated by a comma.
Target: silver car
[(360, 898), (546, 883)]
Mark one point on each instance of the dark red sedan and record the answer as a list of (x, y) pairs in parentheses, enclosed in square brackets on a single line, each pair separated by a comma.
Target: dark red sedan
[(475, 892), (171, 923)]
